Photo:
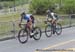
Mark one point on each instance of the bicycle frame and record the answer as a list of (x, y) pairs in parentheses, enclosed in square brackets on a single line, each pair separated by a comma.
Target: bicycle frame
[(53, 26)]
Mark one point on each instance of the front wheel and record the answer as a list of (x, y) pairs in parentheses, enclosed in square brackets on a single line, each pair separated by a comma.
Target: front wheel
[(58, 29), (48, 31), (23, 36), (37, 33)]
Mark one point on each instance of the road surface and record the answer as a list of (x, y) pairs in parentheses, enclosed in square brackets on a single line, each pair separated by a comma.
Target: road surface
[(64, 41)]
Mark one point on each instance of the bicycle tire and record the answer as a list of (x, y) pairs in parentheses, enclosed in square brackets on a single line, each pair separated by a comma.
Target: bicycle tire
[(60, 28), (50, 31), (19, 36), (35, 34)]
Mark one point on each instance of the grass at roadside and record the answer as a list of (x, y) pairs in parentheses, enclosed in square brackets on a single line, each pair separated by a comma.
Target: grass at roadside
[(6, 23), (9, 17)]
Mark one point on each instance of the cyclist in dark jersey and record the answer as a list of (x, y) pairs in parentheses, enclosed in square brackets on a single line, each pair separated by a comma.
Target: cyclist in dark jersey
[(51, 16)]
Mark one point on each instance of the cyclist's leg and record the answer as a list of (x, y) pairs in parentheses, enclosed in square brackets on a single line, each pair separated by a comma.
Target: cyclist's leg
[(33, 23), (29, 25), (30, 28), (54, 25)]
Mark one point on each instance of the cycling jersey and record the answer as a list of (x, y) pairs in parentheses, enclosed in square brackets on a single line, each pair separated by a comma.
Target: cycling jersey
[(27, 17), (52, 16)]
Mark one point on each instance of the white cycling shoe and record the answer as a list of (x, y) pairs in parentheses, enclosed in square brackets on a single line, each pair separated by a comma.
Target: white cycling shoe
[(32, 34)]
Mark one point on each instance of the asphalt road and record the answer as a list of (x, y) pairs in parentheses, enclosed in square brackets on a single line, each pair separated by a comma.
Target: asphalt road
[(64, 41)]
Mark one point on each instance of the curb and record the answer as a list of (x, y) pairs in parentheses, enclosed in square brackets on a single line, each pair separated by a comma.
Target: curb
[(7, 38)]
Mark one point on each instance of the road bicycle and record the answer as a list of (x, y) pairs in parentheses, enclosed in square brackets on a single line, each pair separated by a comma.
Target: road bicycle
[(52, 28), (24, 33)]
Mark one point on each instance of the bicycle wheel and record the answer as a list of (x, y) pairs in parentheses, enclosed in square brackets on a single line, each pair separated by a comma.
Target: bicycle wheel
[(23, 36), (48, 31), (58, 29), (37, 33)]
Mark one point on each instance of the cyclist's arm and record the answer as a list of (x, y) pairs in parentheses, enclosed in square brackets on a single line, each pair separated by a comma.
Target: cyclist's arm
[(21, 20), (57, 16)]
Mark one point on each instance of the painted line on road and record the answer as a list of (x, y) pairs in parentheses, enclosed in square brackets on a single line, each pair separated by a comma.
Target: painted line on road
[(68, 50), (60, 44), (72, 49)]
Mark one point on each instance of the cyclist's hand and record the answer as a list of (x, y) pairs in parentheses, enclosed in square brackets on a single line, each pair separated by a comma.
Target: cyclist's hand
[(20, 25), (45, 22)]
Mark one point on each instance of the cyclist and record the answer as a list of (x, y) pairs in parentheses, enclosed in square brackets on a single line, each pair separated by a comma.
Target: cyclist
[(51, 16), (30, 21)]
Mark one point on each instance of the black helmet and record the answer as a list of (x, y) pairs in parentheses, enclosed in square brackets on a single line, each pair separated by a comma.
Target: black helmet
[(52, 9), (23, 13), (48, 11)]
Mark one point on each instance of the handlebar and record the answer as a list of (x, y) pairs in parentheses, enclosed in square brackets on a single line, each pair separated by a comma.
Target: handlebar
[(46, 22), (22, 25)]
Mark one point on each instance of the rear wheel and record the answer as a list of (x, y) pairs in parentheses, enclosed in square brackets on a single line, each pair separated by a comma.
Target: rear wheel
[(58, 29), (37, 33), (23, 36)]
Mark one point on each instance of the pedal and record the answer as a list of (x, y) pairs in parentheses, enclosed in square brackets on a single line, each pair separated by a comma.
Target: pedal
[(31, 36), (53, 32)]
